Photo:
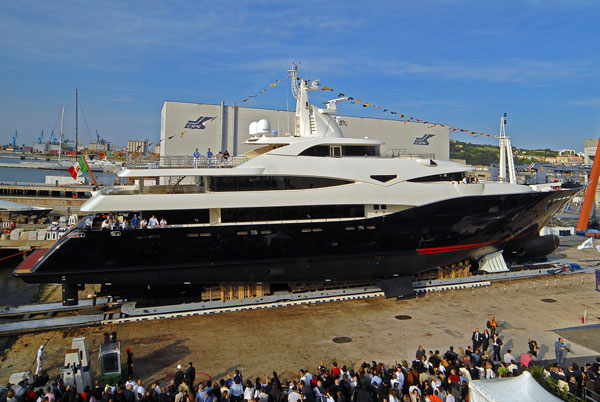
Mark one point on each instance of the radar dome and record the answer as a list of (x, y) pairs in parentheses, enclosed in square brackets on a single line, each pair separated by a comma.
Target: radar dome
[(264, 126), (252, 129)]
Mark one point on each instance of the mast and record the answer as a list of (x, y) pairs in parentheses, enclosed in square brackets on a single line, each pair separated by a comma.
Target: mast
[(506, 155), (76, 123), (60, 136)]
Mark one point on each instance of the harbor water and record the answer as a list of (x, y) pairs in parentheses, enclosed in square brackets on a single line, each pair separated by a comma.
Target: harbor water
[(8, 174)]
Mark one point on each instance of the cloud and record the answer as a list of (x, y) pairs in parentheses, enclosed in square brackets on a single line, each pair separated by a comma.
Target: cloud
[(591, 102)]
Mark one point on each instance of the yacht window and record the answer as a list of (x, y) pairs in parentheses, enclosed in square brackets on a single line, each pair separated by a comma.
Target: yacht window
[(291, 213), (455, 176), (176, 217), (383, 177), (336, 151), (267, 183)]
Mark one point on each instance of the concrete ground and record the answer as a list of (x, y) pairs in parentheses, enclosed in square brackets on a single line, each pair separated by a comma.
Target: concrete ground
[(286, 339)]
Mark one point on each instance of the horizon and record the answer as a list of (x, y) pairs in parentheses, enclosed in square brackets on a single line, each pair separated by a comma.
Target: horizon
[(450, 62)]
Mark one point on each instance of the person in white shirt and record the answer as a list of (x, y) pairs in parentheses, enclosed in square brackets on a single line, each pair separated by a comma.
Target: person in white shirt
[(131, 382), (508, 357), (105, 224), (88, 223), (138, 389), (163, 222), (143, 224), (153, 222), (294, 395), (39, 360)]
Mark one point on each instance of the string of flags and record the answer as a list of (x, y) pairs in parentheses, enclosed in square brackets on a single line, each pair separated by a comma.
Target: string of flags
[(402, 117), (354, 101), (262, 91)]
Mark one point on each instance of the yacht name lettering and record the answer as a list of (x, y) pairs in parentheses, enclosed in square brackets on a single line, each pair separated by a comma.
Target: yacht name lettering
[(199, 123), (423, 140)]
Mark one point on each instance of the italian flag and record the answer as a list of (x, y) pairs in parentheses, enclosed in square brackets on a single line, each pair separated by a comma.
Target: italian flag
[(79, 168)]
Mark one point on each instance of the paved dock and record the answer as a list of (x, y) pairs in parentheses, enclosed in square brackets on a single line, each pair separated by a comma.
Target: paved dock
[(286, 339)]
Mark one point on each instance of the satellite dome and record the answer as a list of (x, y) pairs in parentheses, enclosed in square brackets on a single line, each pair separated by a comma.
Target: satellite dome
[(252, 129), (263, 126)]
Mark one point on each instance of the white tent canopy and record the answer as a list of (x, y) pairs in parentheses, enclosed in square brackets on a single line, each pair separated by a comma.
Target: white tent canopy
[(511, 389)]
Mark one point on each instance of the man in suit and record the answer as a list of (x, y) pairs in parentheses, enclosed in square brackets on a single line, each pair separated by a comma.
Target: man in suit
[(477, 339)]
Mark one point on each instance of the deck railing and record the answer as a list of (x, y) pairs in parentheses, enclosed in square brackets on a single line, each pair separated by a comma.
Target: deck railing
[(182, 161), (402, 153)]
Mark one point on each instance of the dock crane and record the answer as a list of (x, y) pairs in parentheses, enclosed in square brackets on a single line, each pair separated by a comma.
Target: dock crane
[(590, 195), (41, 137), (14, 139), (52, 137), (101, 140)]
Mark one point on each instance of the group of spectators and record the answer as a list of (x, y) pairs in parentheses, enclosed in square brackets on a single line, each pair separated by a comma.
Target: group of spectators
[(126, 224), (211, 159), (431, 377)]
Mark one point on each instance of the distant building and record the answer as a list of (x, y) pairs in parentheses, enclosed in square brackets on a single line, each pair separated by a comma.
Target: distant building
[(137, 146), (45, 147), (99, 147), (589, 150), (566, 152), (186, 126)]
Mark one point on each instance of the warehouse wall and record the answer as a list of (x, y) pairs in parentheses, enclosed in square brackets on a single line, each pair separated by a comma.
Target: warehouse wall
[(221, 128)]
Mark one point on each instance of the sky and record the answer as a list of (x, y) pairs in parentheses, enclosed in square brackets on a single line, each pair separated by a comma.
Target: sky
[(461, 63)]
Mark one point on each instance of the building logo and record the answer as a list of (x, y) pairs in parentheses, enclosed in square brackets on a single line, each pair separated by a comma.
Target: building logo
[(199, 123), (423, 140)]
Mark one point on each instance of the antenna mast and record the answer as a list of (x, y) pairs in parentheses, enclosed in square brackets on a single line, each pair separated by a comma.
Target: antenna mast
[(76, 122), (60, 136), (506, 155)]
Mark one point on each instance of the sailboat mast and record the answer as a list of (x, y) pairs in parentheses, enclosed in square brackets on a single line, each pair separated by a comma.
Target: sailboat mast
[(76, 122), (60, 136)]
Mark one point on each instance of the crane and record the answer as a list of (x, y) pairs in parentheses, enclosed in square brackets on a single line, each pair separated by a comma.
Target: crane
[(100, 140), (14, 139), (52, 137), (41, 137)]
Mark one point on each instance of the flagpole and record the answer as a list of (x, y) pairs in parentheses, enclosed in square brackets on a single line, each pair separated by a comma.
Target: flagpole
[(89, 170)]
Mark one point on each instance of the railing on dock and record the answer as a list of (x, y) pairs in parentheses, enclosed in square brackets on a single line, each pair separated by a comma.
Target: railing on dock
[(182, 161)]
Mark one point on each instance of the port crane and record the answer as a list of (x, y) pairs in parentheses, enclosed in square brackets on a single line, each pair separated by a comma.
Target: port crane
[(52, 137), (41, 137), (14, 139)]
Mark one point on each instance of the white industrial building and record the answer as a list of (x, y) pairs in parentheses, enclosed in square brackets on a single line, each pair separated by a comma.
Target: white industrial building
[(187, 126)]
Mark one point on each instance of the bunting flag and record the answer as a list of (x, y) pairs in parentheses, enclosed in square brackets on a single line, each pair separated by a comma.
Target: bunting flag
[(182, 133)]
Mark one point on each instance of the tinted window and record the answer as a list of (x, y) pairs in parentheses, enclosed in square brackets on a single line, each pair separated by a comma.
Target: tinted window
[(264, 183), (440, 177), (291, 213)]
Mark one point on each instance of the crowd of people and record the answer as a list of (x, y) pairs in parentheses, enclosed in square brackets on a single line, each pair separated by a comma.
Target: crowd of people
[(126, 224), (431, 376)]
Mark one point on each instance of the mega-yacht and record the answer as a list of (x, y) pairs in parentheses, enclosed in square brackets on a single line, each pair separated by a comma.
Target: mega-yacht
[(312, 207)]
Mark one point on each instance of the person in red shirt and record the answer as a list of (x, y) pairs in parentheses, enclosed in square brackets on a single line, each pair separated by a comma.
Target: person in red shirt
[(336, 370), (453, 378), (435, 397)]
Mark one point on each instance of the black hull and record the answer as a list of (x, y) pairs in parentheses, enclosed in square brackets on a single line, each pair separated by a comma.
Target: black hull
[(400, 244)]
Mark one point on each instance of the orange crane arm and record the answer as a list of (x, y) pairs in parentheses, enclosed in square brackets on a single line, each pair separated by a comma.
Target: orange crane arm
[(590, 192)]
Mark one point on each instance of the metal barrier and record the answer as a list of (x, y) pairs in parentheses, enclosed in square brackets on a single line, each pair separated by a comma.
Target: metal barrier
[(590, 395), (182, 161)]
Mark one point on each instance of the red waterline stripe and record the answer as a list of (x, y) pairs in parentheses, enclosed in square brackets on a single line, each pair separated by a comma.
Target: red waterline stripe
[(453, 248)]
